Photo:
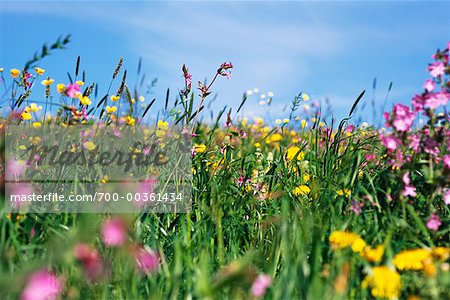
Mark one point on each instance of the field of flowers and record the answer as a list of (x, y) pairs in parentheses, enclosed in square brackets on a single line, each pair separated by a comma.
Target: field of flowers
[(300, 208)]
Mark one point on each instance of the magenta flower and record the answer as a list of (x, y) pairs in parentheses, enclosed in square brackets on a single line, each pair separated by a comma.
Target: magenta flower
[(429, 85), (408, 189), (356, 206), (434, 222), (260, 285), (114, 232), (147, 260), (435, 100), (446, 161), (391, 142), (42, 285), (436, 69), (447, 196), (91, 261), (73, 90), (403, 117)]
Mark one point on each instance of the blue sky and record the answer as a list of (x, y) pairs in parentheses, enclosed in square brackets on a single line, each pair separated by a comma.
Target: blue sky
[(327, 49)]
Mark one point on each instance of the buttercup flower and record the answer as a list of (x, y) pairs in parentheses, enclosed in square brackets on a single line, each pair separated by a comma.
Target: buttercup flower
[(47, 82), (79, 82), (60, 87), (85, 100), (343, 239), (111, 109), (15, 73), (301, 190), (373, 255), (115, 98), (291, 152), (39, 71)]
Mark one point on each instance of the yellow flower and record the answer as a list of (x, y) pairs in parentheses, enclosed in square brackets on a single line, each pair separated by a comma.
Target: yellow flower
[(442, 253), (411, 259), (276, 137), (39, 71), (301, 190), (111, 109), (130, 120), (15, 73), (79, 82), (304, 124), (343, 239), (291, 152), (89, 145), (305, 97), (35, 140), (85, 100), (257, 145), (2, 69), (278, 121), (141, 98), (33, 107), (47, 82), (384, 282), (37, 124), (163, 125), (306, 177), (26, 116), (343, 192), (373, 255), (285, 121), (200, 148), (105, 179), (115, 98), (60, 87), (358, 245)]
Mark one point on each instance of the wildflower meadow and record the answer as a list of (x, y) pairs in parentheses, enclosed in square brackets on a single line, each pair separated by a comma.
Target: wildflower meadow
[(298, 207)]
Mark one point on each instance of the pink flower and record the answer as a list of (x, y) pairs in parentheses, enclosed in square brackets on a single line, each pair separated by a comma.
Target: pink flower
[(15, 169), (90, 260), (435, 100), (114, 232), (429, 85), (446, 161), (73, 90), (403, 117), (42, 285), (414, 142), (447, 196), (260, 285), (147, 260), (434, 222), (356, 206), (418, 101), (436, 69), (391, 142)]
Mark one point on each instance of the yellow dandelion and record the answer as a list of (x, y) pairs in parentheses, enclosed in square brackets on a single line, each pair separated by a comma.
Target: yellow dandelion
[(373, 255), (39, 71), (344, 239), (257, 145), (79, 83), (411, 259), (301, 190), (293, 151), (442, 253), (384, 282), (285, 121), (37, 124), (276, 137), (47, 82), (14, 73), (358, 245), (163, 125), (306, 177)]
